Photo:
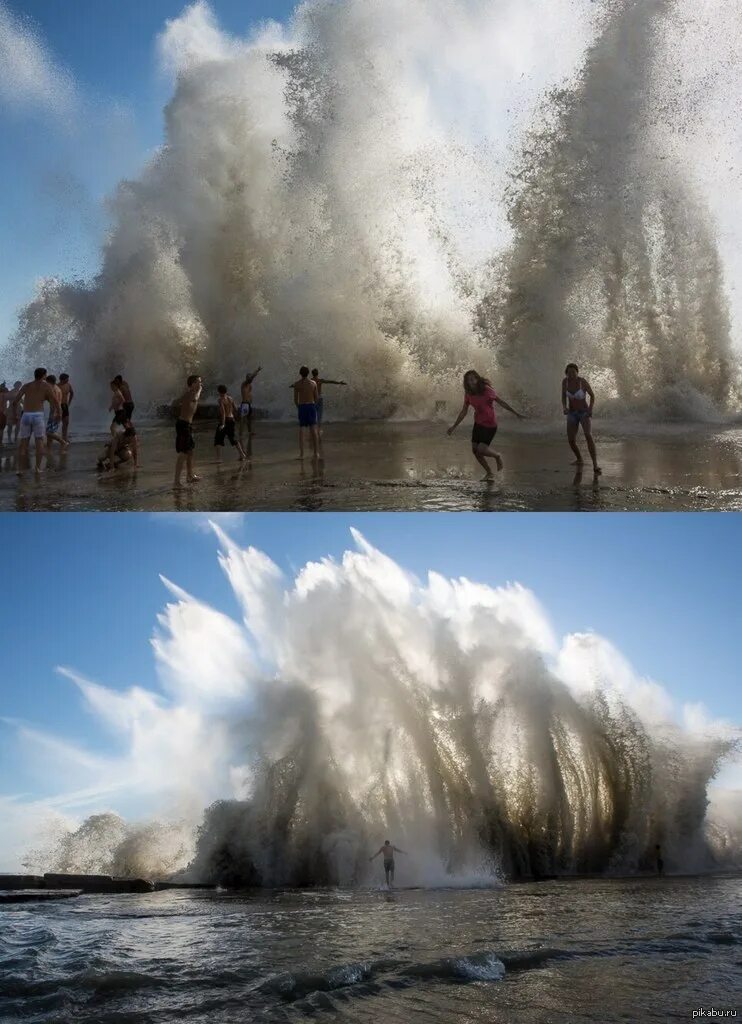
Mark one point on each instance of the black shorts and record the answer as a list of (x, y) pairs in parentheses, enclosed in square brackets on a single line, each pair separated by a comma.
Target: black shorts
[(389, 865), (65, 411), (184, 442), (482, 435), (120, 417), (226, 431), (128, 409)]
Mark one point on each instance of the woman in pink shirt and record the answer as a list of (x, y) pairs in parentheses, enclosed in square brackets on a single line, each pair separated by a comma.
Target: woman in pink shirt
[(481, 396)]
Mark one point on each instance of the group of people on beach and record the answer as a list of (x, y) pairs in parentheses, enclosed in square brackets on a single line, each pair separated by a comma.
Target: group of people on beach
[(307, 398), (22, 415)]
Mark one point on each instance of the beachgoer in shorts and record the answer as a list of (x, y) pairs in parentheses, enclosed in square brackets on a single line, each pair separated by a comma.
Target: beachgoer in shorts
[(579, 412), (124, 448), (305, 399), (481, 396), (13, 412), (117, 408), (126, 394), (226, 426), (33, 420), (184, 441)]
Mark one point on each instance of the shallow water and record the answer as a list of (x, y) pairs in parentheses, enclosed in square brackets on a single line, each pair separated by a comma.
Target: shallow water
[(400, 466), (594, 950)]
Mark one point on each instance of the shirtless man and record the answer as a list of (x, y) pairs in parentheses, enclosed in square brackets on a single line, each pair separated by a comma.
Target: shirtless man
[(33, 421), (319, 381), (226, 425), (117, 408), (52, 426), (305, 400), (67, 395), (246, 402), (184, 443), (126, 393), (388, 850), (13, 412)]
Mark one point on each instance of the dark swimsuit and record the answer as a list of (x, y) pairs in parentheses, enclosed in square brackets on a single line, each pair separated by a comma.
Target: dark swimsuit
[(184, 442)]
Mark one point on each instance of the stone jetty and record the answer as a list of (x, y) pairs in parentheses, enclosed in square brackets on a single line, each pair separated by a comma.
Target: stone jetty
[(58, 885)]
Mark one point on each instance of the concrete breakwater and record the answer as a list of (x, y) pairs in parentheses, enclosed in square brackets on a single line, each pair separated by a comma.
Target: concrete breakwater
[(56, 885)]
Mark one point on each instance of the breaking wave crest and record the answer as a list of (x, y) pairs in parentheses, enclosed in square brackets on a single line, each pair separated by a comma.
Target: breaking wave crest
[(320, 196)]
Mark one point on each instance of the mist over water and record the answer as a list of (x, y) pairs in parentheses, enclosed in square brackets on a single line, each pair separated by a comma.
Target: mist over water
[(399, 193), (356, 703)]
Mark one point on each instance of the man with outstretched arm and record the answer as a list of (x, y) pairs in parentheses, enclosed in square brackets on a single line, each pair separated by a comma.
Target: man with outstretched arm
[(388, 851)]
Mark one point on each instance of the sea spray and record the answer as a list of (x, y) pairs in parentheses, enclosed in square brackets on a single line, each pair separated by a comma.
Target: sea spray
[(364, 704), (322, 196)]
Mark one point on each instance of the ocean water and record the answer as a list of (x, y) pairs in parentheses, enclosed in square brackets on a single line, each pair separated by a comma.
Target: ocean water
[(639, 949)]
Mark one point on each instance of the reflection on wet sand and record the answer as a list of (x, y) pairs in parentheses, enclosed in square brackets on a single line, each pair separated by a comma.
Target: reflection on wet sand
[(398, 466)]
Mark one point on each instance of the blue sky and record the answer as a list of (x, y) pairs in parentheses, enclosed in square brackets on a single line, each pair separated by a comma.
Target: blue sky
[(58, 161), (663, 589)]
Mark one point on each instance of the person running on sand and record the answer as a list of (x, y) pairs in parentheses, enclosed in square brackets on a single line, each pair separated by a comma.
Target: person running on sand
[(388, 851), (226, 426), (319, 381), (481, 396), (13, 412), (33, 421), (305, 400), (68, 394), (579, 411), (125, 390), (246, 402), (117, 407), (184, 442), (124, 447), (52, 425)]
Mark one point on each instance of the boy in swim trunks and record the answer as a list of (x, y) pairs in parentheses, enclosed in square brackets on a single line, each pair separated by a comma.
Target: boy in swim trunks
[(246, 403), (226, 425), (305, 400), (184, 441), (123, 448), (33, 421), (67, 395), (52, 426)]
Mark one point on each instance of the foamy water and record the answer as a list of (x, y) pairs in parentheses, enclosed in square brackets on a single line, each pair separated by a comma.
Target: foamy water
[(650, 950), (394, 196)]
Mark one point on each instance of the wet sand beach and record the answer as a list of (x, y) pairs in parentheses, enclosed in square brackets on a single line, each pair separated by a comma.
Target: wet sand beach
[(387, 466)]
